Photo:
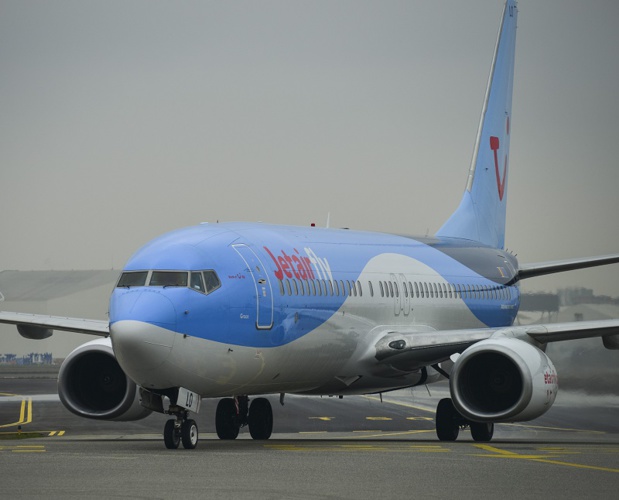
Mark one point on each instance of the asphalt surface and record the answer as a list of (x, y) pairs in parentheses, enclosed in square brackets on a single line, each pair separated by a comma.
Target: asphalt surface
[(356, 447)]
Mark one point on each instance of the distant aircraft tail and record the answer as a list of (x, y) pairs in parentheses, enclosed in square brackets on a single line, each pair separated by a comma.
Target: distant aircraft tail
[(481, 214)]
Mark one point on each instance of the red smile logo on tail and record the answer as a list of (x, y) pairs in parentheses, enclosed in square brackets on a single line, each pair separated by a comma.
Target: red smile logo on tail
[(500, 182)]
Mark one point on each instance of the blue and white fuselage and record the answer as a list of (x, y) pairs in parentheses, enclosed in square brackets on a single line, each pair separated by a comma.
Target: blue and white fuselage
[(296, 309)]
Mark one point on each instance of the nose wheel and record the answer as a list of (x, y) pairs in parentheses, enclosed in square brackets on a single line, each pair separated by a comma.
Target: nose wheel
[(180, 430)]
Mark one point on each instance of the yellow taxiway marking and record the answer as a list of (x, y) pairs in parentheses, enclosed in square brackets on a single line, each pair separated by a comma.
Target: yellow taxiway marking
[(25, 413), (378, 418), (498, 453), (565, 429), (385, 434), (383, 447), (56, 433), (326, 419), (24, 448)]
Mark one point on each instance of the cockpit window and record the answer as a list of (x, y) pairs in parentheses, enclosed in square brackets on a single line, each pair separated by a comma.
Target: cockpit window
[(211, 281), (133, 278), (168, 278), (197, 283), (200, 281)]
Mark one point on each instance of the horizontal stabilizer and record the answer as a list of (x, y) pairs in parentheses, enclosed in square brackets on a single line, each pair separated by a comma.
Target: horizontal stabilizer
[(559, 266)]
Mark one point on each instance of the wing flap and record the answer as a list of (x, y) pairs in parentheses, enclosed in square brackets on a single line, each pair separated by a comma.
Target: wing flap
[(38, 326)]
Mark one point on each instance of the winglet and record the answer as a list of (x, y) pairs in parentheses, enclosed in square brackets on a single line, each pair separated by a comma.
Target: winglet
[(481, 214)]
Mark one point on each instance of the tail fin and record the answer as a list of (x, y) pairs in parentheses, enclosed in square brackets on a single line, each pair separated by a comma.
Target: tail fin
[(481, 214)]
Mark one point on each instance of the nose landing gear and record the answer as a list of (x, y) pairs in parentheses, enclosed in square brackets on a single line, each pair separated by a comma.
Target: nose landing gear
[(180, 429)]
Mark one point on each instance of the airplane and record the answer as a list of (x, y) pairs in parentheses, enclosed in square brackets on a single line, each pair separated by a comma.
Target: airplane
[(243, 310)]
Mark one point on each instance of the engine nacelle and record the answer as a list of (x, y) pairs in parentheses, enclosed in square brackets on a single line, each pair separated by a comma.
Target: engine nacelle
[(503, 380), (91, 384)]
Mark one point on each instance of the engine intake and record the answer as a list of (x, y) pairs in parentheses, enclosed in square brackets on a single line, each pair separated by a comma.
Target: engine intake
[(91, 384), (503, 380)]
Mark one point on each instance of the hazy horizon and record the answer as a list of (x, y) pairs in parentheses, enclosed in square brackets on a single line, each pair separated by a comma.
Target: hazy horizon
[(124, 120)]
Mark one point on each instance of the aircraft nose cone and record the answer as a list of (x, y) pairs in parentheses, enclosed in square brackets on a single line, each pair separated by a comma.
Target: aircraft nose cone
[(142, 332)]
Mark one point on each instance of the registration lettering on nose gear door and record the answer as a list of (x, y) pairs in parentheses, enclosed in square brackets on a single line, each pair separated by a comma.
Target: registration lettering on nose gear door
[(188, 400)]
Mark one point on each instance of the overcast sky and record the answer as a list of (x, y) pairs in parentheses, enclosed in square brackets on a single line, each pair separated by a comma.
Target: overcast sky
[(121, 120)]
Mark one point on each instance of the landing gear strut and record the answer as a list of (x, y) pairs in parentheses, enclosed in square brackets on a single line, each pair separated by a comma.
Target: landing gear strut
[(180, 429), (449, 422), (234, 413)]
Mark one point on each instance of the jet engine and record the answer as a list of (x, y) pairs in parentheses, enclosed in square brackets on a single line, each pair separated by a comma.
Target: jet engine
[(503, 380), (91, 384)]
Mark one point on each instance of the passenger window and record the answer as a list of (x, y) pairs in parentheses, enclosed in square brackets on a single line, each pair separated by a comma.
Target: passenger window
[(382, 291), (331, 287), (288, 289), (295, 287), (390, 288), (132, 278), (360, 290), (198, 284), (416, 290), (313, 287), (371, 287)]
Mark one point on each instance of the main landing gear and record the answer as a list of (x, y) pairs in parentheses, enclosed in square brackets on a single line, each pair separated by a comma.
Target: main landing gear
[(234, 413), (449, 422)]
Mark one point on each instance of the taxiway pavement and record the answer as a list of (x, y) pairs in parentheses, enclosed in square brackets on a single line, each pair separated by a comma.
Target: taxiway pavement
[(356, 447)]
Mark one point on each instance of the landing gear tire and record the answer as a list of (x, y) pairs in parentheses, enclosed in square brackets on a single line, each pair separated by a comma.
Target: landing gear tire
[(171, 435), (447, 420), (189, 434), (482, 431), (260, 419), (226, 419)]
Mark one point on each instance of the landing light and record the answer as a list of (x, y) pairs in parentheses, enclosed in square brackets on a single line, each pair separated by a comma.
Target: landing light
[(398, 344)]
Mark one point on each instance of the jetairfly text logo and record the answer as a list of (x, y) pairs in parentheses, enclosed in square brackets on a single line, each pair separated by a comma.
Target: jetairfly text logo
[(299, 266)]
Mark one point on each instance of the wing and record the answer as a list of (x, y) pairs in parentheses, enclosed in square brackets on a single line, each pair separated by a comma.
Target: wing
[(38, 326), (408, 351)]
